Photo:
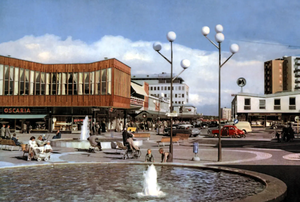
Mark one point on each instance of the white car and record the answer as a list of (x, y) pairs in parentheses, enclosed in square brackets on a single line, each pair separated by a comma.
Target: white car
[(187, 128)]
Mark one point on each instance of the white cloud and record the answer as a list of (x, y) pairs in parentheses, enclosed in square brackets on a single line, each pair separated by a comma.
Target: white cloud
[(201, 76)]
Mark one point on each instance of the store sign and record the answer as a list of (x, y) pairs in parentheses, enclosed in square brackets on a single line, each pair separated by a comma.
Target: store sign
[(134, 101), (17, 111)]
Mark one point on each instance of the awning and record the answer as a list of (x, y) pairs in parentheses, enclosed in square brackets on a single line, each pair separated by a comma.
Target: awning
[(22, 116), (138, 89)]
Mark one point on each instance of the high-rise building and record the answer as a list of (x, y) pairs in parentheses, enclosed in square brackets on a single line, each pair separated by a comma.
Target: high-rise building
[(226, 113), (161, 84), (273, 76), (282, 74)]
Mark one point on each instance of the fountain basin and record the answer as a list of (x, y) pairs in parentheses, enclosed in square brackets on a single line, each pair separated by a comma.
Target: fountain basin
[(122, 182), (84, 144)]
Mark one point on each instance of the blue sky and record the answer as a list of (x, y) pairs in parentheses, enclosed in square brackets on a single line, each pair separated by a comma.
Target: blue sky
[(54, 31)]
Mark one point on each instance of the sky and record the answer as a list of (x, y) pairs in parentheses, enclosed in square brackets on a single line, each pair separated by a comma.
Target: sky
[(82, 31)]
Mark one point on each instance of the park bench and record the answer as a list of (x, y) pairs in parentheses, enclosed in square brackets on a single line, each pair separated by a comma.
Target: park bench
[(9, 145), (167, 140), (183, 136), (141, 135)]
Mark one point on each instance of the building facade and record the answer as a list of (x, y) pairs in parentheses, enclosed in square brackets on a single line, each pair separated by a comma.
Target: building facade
[(226, 114), (262, 110), (59, 96), (160, 85), (282, 74)]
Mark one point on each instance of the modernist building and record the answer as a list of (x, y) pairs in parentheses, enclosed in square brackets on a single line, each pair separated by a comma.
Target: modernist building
[(264, 109), (59, 96), (282, 74), (226, 114), (161, 84)]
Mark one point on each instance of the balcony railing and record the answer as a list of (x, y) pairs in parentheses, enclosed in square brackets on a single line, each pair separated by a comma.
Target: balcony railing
[(247, 107), (277, 107), (292, 107)]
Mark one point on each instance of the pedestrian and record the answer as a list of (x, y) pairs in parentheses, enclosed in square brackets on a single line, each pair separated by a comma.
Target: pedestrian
[(7, 132), (16, 140), (165, 156), (40, 141), (57, 135), (149, 156), (103, 127), (3, 131)]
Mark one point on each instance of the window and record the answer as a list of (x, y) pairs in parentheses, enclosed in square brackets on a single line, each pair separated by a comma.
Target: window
[(70, 83), (175, 95), (109, 81), (158, 88), (37, 83), (48, 84), (151, 88), (292, 103), (16, 86), (169, 88), (86, 83), (179, 88), (103, 81), (64, 84), (53, 81), (165, 87), (247, 105), (262, 104), (22, 77), (182, 95), (75, 83), (182, 87), (80, 83), (92, 87), (43, 83), (31, 86), (276, 104), (175, 102), (58, 83), (1, 79), (26, 82), (97, 91)]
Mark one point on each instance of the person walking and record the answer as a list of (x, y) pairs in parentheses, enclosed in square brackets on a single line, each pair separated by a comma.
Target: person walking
[(7, 132), (3, 131)]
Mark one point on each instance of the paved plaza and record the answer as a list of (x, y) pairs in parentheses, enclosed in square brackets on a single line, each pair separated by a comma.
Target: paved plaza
[(259, 151)]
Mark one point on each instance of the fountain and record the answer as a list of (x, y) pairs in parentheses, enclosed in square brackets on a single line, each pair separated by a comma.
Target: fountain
[(151, 187), (85, 133), (119, 182)]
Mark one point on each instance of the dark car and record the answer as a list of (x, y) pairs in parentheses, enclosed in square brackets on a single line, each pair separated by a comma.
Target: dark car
[(185, 129)]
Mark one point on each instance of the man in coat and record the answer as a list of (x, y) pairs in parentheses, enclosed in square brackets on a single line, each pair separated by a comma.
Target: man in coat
[(3, 131), (7, 132)]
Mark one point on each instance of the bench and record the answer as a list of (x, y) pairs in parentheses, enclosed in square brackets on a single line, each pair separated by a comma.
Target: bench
[(183, 136), (9, 145), (167, 140), (141, 135)]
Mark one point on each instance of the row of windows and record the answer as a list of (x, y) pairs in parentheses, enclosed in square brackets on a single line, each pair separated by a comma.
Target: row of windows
[(20, 81), (165, 95), (277, 104), (166, 88)]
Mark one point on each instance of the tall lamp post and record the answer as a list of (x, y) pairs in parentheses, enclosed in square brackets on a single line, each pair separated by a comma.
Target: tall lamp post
[(234, 48), (171, 36)]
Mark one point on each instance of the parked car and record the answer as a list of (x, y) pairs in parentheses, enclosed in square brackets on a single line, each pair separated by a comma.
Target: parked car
[(167, 129), (228, 130), (245, 126), (186, 129)]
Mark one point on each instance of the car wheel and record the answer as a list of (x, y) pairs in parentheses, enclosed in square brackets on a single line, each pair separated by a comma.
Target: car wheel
[(244, 131)]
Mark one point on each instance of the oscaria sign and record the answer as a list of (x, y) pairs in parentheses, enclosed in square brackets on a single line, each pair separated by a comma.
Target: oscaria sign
[(17, 111)]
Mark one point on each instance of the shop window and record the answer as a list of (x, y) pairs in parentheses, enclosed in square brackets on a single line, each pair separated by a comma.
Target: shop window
[(103, 81), (1, 79), (53, 81), (43, 83), (262, 104), (22, 83), (86, 83), (292, 105), (26, 82), (80, 83), (31, 79), (247, 104), (70, 84), (16, 80), (37, 83), (276, 104), (48, 84)]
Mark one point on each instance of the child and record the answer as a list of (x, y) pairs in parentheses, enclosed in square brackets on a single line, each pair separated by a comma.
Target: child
[(48, 147), (149, 157), (165, 156)]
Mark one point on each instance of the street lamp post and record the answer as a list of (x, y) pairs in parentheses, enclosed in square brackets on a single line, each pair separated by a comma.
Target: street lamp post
[(234, 48), (171, 36)]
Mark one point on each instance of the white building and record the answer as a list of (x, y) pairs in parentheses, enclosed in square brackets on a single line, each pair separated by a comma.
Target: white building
[(160, 84), (265, 109), (226, 114)]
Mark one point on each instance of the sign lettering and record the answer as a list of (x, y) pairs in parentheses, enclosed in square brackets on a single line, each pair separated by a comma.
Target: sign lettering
[(17, 111)]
